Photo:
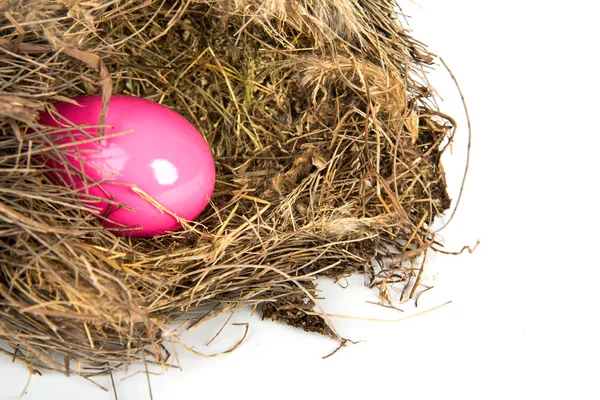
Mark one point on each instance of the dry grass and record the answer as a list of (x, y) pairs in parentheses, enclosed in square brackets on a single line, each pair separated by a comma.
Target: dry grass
[(326, 138)]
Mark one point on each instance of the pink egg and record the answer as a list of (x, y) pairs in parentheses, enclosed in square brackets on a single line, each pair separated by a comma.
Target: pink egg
[(160, 153)]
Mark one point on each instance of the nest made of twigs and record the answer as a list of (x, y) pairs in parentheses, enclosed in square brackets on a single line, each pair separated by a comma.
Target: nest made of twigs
[(327, 142)]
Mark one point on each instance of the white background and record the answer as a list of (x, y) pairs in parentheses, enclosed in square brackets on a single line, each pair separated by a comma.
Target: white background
[(523, 322)]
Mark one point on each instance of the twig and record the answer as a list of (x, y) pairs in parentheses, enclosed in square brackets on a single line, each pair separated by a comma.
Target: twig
[(464, 178)]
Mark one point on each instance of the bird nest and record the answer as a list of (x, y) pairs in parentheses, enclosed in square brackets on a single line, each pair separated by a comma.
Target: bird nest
[(327, 142)]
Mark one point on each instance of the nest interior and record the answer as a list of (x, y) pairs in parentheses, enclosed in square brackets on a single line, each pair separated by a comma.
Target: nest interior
[(327, 142)]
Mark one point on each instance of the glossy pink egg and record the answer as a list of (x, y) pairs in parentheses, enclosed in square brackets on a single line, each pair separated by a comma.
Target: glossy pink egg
[(159, 154)]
